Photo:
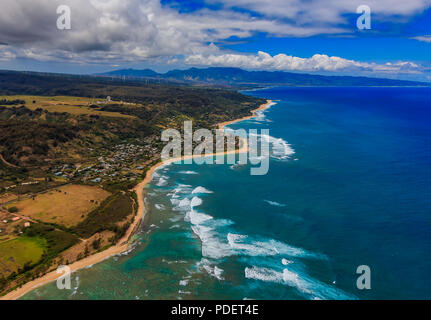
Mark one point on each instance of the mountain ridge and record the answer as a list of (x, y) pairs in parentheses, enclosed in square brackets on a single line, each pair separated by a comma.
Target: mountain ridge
[(240, 77)]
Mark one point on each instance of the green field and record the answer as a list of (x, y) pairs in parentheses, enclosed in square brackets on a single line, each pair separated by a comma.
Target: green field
[(15, 253)]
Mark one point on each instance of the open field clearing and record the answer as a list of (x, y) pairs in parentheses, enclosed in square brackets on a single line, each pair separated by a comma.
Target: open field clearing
[(16, 253), (72, 105), (4, 198), (67, 205)]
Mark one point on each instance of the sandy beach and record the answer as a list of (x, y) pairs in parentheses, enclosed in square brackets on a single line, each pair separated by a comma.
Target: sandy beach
[(253, 114), (123, 244)]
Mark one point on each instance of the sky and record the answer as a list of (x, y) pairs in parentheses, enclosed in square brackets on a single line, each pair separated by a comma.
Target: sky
[(307, 36)]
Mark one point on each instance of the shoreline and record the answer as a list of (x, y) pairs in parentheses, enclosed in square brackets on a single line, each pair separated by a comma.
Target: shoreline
[(253, 114), (123, 244)]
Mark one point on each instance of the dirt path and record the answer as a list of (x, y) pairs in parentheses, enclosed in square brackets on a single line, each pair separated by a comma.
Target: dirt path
[(7, 163)]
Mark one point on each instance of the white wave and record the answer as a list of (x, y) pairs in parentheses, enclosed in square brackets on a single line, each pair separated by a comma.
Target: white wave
[(188, 172), (201, 190), (214, 271), (244, 245), (252, 248), (184, 282), (232, 237), (175, 201), (185, 203), (175, 196), (306, 285), (212, 246), (263, 274), (286, 262), (279, 148), (196, 201), (274, 203), (198, 218), (162, 181), (260, 115), (180, 189), (159, 206), (218, 273)]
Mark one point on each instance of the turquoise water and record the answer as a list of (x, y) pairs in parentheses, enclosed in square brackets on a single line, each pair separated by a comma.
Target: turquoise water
[(348, 185)]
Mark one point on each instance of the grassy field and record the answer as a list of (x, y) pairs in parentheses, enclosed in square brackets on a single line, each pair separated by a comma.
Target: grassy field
[(72, 105), (67, 205), (15, 253)]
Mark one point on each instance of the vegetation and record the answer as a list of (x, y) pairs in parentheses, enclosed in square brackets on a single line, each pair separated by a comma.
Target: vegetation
[(17, 255), (56, 240), (113, 210), (5, 102), (13, 209)]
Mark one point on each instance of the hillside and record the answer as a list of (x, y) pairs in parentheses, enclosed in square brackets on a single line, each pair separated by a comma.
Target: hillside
[(71, 116)]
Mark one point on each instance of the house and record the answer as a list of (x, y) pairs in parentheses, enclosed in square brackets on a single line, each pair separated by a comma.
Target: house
[(27, 224)]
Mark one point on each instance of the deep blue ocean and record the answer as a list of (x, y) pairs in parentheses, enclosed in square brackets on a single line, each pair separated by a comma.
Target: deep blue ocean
[(349, 184)]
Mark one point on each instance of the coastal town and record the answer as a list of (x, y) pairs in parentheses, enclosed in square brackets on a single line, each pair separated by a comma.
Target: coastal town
[(126, 162)]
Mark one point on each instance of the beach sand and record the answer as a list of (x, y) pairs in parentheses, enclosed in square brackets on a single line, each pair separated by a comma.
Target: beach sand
[(123, 244)]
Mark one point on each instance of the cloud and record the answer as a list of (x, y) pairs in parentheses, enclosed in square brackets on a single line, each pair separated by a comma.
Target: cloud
[(127, 30), (283, 62), (115, 31), (6, 55), (328, 11), (423, 38)]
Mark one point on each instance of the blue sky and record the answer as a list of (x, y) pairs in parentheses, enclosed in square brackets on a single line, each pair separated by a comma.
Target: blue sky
[(286, 35)]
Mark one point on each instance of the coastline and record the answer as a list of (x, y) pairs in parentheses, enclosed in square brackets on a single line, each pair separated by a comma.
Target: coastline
[(253, 114), (123, 244)]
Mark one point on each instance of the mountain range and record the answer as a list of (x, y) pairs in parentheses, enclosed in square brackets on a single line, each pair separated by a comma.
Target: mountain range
[(235, 77)]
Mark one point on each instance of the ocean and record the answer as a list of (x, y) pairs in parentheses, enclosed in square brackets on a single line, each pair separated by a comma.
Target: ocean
[(348, 185)]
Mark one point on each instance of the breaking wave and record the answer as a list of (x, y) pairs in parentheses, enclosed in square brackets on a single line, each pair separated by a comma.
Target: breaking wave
[(201, 190), (307, 286), (274, 203)]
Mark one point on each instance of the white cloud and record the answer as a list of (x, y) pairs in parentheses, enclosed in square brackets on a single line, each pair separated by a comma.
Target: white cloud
[(423, 38), (283, 62), (127, 29), (114, 31), (6, 55), (328, 11)]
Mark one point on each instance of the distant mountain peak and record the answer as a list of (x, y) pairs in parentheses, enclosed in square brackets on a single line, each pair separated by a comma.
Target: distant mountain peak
[(231, 76)]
